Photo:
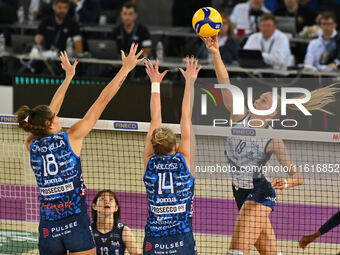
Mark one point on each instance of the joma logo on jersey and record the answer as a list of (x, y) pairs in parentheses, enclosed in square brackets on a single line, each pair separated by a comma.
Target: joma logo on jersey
[(59, 207), (166, 200)]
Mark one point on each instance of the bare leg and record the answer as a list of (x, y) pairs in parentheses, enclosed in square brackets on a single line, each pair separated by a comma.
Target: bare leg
[(266, 243), (251, 221)]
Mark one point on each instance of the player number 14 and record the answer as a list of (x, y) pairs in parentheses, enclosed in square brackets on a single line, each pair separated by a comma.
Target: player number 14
[(162, 185)]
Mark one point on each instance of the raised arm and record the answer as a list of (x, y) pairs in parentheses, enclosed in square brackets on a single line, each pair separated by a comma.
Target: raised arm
[(70, 71), (222, 75), (155, 106), (79, 130), (278, 147), (187, 136)]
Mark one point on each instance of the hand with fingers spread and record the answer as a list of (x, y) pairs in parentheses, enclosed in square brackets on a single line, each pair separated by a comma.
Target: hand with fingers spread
[(153, 73), (69, 69), (192, 70), (211, 43), (131, 60)]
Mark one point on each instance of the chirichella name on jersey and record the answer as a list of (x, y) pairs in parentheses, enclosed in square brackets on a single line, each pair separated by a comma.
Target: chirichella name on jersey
[(51, 147)]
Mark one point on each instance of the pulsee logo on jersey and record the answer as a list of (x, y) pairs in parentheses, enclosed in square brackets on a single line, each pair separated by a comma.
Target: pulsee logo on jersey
[(279, 104)]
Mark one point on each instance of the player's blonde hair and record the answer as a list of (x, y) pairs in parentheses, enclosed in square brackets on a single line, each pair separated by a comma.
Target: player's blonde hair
[(319, 99), (163, 140)]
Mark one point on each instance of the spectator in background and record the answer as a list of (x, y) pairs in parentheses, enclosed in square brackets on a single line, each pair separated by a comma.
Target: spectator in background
[(323, 51), (54, 30), (247, 15), (131, 31), (85, 11), (304, 15), (227, 40), (111, 9), (273, 44)]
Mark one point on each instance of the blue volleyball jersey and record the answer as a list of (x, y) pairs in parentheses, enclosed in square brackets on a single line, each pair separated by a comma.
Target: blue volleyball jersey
[(58, 174), (170, 190), (110, 243)]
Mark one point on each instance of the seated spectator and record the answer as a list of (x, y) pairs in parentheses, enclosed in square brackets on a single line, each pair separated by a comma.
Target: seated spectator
[(304, 15), (111, 8), (130, 30), (273, 44), (85, 11), (54, 30), (227, 41), (322, 52), (247, 15)]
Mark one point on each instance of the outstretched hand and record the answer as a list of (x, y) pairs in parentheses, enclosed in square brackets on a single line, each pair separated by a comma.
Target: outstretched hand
[(305, 240), (153, 73), (192, 70), (211, 43), (69, 69), (131, 60)]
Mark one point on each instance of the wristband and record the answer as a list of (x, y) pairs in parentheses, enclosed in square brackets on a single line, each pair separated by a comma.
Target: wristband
[(286, 183), (155, 87)]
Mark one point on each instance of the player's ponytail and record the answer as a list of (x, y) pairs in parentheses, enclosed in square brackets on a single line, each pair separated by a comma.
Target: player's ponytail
[(163, 141), (320, 98), (34, 120)]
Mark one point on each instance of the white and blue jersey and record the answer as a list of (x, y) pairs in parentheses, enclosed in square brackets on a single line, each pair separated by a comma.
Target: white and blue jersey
[(247, 155), (170, 190), (110, 243), (58, 174)]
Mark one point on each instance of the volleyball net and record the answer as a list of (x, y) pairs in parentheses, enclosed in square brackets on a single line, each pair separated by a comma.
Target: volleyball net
[(112, 159)]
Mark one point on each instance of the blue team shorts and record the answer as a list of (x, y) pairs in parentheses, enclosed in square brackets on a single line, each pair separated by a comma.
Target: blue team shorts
[(73, 233), (263, 193), (183, 244)]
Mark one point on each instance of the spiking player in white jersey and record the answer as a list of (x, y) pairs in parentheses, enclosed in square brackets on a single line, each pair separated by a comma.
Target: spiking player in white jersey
[(254, 194), (168, 180), (55, 159)]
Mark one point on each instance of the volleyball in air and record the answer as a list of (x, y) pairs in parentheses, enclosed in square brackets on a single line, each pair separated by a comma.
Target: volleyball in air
[(207, 22)]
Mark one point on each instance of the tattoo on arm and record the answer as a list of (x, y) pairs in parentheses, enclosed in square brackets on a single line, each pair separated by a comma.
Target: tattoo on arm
[(121, 81)]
